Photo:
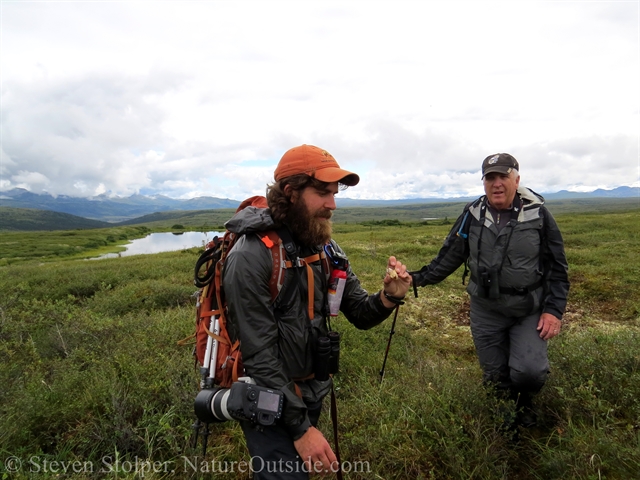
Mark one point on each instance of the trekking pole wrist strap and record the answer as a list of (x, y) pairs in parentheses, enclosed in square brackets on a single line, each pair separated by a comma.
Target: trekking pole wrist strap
[(392, 299)]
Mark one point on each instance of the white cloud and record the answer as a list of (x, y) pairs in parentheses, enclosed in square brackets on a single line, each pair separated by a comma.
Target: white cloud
[(25, 179), (202, 98)]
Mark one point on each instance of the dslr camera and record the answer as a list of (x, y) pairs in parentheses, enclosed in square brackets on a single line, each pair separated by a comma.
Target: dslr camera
[(243, 401)]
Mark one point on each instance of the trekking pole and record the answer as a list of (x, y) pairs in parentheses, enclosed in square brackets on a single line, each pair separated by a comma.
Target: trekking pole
[(205, 369), (214, 348), (393, 330)]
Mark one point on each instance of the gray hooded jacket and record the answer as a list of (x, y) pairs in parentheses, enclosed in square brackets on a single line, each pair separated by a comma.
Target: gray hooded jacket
[(277, 339)]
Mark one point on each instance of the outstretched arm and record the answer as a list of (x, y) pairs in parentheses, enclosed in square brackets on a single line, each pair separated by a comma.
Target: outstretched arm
[(452, 254)]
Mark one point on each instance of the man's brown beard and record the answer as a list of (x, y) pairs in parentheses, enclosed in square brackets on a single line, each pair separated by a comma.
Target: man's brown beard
[(310, 230)]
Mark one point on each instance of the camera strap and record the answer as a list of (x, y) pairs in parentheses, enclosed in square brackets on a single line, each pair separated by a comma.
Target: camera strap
[(514, 213), (483, 213)]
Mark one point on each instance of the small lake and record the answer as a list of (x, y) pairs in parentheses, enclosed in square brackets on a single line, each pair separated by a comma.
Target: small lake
[(163, 242)]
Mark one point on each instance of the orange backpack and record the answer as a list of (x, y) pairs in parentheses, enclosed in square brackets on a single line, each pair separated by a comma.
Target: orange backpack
[(219, 357)]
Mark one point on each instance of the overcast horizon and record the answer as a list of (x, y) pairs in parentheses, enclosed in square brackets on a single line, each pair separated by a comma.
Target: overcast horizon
[(344, 194), (202, 98)]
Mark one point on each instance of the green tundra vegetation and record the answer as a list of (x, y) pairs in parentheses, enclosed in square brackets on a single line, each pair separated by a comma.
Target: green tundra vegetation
[(94, 385)]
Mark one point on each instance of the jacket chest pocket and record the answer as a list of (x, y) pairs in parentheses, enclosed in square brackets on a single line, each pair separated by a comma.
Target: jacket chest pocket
[(524, 248)]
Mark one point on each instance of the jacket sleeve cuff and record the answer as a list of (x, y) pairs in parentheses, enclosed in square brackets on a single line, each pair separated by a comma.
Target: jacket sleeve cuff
[(384, 309), (553, 312), (298, 431)]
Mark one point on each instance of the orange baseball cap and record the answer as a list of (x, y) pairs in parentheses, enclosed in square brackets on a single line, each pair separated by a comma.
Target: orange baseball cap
[(314, 162)]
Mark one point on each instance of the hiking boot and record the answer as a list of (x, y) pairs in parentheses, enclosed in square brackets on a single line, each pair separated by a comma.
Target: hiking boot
[(527, 417), (507, 417)]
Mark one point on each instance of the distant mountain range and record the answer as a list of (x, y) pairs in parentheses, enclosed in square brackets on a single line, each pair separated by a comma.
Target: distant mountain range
[(619, 192), (109, 209), (118, 209)]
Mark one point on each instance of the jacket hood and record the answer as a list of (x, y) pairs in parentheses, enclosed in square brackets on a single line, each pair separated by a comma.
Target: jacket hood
[(250, 220), (529, 197)]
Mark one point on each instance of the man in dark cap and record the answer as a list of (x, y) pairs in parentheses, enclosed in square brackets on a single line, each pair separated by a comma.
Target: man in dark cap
[(519, 283), (278, 338)]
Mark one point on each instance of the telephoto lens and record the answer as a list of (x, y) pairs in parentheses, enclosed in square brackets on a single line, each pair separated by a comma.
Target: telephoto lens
[(243, 401), (211, 405), (321, 361), (334, 359)]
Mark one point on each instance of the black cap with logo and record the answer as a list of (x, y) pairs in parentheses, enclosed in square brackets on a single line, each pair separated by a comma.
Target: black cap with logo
[(499, 162)]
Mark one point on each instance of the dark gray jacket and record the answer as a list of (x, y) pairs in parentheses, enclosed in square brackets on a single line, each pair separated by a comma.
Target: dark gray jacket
[(528, 254), (277, 340)]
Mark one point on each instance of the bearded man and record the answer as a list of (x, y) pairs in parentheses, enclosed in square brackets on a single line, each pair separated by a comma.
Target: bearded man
[(279, 339)]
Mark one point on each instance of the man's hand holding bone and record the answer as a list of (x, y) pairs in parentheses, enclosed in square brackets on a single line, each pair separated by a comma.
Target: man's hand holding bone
[(396, 283)]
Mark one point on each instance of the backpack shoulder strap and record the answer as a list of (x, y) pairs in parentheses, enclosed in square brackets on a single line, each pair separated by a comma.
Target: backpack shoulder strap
[(274, 243), (463, 231), (284, 254), (287, 242)]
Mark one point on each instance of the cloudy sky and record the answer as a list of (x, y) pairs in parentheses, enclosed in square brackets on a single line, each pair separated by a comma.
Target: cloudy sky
[(203, 98)]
